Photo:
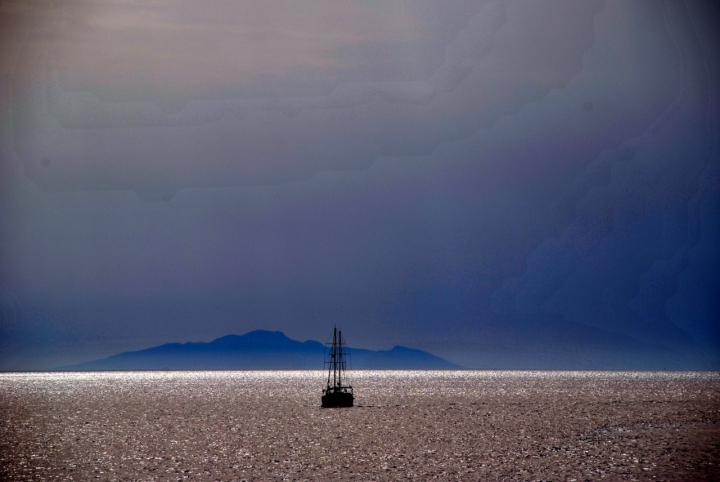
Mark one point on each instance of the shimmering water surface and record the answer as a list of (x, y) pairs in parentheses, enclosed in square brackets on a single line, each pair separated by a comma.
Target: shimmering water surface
[(461, 425)]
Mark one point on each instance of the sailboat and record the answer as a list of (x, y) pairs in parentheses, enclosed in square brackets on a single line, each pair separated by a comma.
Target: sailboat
[(335, 393)]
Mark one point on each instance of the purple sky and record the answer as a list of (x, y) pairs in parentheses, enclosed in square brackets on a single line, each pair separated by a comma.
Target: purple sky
[(471, 178)]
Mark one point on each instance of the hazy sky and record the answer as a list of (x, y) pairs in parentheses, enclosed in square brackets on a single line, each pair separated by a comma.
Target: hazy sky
[(479, 179)]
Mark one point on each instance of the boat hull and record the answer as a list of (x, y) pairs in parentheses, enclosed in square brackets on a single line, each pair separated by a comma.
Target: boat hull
[(337, 399)]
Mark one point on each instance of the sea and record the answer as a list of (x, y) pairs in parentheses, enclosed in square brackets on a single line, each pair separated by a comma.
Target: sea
[(405, 425)]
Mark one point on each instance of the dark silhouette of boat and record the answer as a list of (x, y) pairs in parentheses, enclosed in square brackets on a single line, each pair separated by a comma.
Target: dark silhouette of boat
[(335, 393)]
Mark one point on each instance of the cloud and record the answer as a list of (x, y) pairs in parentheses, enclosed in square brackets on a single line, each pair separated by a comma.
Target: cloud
[(511, 163), (175, 141), (187, 46)]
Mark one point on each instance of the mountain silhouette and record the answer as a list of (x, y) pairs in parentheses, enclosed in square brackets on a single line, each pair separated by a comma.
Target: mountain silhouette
[(258, 350)]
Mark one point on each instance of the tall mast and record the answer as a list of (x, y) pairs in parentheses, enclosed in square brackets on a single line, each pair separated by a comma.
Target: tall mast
[(336, 362), (341, 361), (334, 357), (338, 394)]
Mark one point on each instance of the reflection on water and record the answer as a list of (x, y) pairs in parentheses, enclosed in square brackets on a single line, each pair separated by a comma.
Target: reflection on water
[(464, 425), (372, 386)]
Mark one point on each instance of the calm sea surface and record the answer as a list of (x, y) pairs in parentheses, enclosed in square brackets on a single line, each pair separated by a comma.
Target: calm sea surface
[(448, 425)]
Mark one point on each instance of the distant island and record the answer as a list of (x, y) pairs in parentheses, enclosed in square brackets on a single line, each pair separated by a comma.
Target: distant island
[(260, 350)]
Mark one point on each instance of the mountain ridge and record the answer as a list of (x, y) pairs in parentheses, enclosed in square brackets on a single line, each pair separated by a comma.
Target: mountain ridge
[(258, 350)]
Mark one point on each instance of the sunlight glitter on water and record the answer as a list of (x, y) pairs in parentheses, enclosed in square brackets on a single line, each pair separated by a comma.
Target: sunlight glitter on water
[(367, 383), (464, 425)]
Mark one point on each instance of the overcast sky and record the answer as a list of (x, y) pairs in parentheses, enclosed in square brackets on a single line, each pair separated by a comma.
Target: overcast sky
[(442, 175)]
